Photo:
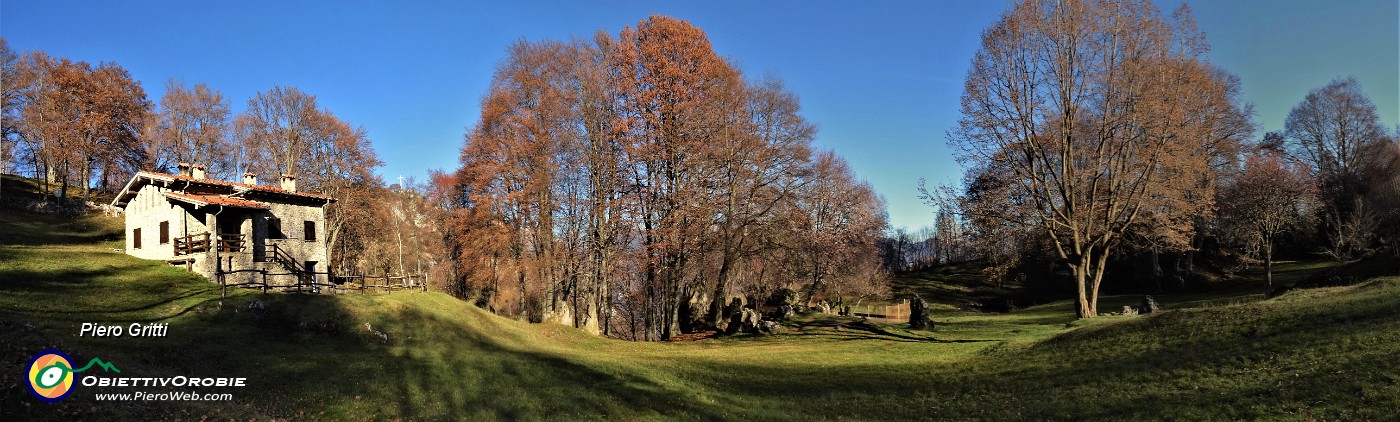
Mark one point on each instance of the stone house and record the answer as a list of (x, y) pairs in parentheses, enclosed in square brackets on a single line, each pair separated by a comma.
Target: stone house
[(242, 232)]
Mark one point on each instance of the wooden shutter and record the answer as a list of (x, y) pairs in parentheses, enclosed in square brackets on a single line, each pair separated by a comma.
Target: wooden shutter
[(136, 238), (309, 229)]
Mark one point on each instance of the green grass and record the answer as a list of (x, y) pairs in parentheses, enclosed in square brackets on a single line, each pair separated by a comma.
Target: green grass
[(950, 287), (1321, 354)]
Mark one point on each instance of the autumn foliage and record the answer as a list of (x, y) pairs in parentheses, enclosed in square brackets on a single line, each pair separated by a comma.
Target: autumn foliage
[(631, 185), (640, 185), (1088, 123), (75, 123)]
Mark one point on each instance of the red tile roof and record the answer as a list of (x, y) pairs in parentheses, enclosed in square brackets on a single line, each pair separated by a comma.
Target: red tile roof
[(204, 195), (242, 186), (202, 200)]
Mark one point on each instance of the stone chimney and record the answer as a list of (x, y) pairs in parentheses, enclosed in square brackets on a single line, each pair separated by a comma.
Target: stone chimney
[(289, 183), (197, 171), (184, 169), (250, 179)]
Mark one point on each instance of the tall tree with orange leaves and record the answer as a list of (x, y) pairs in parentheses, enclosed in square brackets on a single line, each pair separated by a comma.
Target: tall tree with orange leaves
[(674, 90), (80, 121), (640, 177)]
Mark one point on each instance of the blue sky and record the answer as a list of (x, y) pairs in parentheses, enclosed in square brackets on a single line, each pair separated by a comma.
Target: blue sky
[(881, 79)]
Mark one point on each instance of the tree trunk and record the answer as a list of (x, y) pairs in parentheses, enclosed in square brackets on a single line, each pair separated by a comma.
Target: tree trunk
[(717, 301), (1081, 308), (106, 171), (1088, 289), (495, 284), (1268, 269), (1156, 265), (398, 237), (1191, 254), (333, 237), (1098, 281), (62, 193), (86, 179), (50, 180)]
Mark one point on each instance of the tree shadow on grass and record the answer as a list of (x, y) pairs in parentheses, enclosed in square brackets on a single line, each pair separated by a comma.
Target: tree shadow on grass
[(849, 328), (515, 383), (310, 354), (1329, 359), (106, 312)]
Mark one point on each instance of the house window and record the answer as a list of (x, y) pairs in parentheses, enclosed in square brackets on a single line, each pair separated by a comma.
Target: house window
[(136, 238), (309, 229), (274, 229), (164, 232)]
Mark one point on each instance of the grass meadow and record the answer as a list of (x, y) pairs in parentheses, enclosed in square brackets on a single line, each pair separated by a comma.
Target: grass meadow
[(1310, 354)]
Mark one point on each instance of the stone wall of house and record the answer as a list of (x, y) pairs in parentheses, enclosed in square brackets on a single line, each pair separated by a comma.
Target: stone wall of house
[(149, 208), (293, 220), (146, 211)]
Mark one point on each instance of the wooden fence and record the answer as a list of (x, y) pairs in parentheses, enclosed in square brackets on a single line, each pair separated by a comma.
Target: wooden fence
[(307, 282), (897, 312)]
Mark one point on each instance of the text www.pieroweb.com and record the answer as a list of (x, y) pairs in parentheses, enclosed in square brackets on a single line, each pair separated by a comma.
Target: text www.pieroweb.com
[(164, 396)]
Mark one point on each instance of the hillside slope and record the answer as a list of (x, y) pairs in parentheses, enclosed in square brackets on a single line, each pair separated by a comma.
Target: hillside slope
[(1310, 354)]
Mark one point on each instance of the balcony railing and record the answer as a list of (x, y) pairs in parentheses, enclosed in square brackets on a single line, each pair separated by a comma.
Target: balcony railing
[(232, 242), (199, 242)]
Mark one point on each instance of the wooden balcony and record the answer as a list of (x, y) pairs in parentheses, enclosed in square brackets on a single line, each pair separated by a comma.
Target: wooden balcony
[(199, 242), (186, 245), (232, 242)]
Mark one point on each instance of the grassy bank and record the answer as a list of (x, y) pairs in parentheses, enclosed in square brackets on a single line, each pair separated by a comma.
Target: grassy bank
[(1310, 354)]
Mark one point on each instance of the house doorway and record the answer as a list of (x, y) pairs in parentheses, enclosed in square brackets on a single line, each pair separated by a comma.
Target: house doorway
[(231, 235)]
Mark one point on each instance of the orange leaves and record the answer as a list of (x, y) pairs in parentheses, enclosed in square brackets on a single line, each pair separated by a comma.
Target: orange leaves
[(77, 117), (644, 163)]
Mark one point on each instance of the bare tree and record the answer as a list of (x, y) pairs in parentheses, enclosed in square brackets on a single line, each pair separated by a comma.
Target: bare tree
[(192, 127), (277, 129), (1079, 118), (1330, 130), (283, 132), (1269, 198)]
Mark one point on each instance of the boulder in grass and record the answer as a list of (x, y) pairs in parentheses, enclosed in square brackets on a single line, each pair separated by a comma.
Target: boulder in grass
[(746, 320), (743, 320), (1149, 305), (783, 313), (730, 313), (781, 305), (736, 322), (918, 314), (1129, 310)]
